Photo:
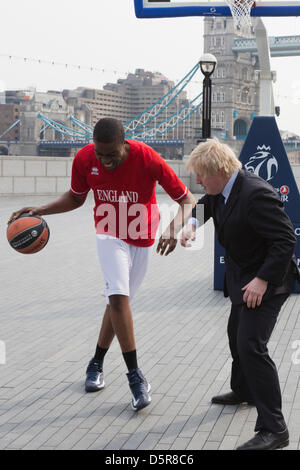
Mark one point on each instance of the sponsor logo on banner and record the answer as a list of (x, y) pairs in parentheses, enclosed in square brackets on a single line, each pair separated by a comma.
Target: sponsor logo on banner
[(283, 192), (263, 163), (284, 189)]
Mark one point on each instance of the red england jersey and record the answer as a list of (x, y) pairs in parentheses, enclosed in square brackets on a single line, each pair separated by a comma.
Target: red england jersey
[(125, 201)]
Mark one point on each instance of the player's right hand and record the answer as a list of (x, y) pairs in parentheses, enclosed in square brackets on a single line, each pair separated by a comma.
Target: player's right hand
[(188, 233), (31, 210)]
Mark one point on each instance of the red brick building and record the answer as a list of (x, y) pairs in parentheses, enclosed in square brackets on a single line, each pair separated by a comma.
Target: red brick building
[(9, 113)]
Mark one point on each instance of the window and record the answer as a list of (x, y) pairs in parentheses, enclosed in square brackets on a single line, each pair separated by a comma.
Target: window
[(245, 92), (218, 119), (218, 96), (221, 72), (217, 41), (245, 74)]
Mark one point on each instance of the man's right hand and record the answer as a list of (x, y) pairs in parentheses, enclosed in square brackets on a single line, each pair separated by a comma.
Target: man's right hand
[(31, 210), (188, 233), (66, 202)]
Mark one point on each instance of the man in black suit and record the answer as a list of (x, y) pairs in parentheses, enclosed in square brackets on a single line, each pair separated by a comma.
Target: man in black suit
[(261, 271)]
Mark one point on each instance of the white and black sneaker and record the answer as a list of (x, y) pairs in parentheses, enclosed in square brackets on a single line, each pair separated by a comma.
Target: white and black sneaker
[(140, 389), (94, 376)]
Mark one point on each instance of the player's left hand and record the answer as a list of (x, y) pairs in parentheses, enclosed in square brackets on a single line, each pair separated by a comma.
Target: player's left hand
[(254, 292), (166, 242)]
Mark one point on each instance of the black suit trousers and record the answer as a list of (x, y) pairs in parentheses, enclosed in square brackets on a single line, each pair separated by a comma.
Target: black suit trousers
[(254, 375)]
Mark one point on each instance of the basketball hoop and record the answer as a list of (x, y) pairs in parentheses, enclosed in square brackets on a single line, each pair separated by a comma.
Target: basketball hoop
[(241, 10)]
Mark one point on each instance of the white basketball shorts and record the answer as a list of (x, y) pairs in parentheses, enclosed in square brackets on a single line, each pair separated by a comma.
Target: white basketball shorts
[(123, 265)]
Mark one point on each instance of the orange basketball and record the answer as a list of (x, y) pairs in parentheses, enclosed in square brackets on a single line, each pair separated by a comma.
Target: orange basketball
[(28, 233)]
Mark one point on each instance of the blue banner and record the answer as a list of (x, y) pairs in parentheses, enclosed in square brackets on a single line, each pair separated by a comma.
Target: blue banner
[(264, 154)]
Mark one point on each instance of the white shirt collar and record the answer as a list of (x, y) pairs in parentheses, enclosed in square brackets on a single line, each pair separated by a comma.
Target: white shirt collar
[(227, 190)]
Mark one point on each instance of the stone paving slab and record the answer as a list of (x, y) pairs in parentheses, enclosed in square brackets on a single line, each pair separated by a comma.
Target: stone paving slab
[(50, 312)]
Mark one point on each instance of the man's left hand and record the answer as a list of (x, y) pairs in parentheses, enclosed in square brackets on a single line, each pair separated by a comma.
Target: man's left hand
[(254, 292)]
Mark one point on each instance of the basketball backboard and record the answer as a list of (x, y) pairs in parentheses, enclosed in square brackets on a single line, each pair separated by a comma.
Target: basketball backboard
[(174, 8)]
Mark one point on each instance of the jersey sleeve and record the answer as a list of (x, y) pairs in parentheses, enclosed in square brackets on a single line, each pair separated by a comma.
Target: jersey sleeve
[(79, 183), (167, 178)]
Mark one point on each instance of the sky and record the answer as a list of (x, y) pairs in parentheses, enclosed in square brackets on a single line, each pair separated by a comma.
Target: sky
[(105, 36)]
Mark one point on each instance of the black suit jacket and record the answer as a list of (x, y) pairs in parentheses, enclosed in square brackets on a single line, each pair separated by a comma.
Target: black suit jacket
[(257, 235)]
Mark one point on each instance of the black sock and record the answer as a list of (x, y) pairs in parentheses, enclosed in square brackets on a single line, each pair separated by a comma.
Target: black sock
[(131, 360), (100, 353)]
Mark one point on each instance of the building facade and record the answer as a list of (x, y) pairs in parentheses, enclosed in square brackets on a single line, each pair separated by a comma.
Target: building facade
[(32, 131), (9, 115), (129, 97), (90, 104)]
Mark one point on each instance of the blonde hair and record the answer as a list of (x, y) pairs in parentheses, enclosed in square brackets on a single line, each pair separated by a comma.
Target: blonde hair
[(211, 156)]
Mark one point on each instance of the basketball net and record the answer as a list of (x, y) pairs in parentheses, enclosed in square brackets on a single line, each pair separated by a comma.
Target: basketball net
[(240, 10)]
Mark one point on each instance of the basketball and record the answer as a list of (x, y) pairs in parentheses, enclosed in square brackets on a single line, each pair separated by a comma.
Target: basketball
[(28, 233)]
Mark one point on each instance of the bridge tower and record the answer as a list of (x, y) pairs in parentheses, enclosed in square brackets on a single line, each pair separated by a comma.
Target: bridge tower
[(235, 94)]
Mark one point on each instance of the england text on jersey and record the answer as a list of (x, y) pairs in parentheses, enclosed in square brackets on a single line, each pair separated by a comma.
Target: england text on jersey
[(113, 195)]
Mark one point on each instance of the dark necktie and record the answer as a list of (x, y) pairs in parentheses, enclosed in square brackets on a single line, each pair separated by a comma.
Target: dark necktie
[(220, 207)]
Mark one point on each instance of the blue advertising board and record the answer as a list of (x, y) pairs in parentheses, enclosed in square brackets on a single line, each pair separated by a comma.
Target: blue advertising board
[(263, 153)]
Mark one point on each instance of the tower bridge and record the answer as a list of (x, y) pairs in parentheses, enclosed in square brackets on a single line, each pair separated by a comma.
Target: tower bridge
[(280, 46)]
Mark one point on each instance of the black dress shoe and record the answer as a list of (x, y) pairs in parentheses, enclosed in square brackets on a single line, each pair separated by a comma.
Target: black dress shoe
[(265, 440), (229, 399)]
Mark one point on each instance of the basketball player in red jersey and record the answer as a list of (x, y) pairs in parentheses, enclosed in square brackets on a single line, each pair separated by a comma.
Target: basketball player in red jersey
[(123, 175)]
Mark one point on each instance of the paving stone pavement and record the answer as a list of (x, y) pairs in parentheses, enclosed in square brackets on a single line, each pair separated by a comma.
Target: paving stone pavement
[(50, 312)]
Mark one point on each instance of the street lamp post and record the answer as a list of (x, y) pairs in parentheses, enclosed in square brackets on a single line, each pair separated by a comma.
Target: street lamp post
[(207, 64)]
